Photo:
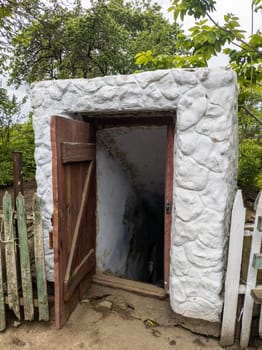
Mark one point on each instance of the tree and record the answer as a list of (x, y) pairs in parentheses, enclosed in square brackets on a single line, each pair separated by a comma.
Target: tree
[(207, 38), (13, 15), (21, 138), (9, 109), (14, 136), (101, 40)]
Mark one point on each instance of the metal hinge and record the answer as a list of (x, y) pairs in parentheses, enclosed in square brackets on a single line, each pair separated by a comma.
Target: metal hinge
[(168, 208)]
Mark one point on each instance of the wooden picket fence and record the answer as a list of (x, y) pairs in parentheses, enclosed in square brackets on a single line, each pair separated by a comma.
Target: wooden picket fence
[(17, 261), (233, 287)]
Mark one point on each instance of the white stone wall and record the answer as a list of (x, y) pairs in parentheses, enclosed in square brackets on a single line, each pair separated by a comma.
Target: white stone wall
[(204, 165)]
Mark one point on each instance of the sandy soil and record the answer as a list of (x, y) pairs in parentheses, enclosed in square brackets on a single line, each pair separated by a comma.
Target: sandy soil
[(109, 319)]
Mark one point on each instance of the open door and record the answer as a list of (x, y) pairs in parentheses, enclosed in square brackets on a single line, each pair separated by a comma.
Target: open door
[(74, 191)]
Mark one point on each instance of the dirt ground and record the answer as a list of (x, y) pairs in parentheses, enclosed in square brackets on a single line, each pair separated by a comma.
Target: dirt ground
[(110, 319)]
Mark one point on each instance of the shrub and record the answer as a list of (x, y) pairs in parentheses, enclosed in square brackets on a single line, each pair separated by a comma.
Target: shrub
[(250, 168), (21, 139)]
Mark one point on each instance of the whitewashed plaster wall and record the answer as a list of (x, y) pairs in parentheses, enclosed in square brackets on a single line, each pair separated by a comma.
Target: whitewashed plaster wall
[(205, 163), (113, 190), (142, 153)]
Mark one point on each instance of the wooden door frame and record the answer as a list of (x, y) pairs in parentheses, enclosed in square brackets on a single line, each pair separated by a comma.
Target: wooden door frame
[(169, 122), (168, 202)]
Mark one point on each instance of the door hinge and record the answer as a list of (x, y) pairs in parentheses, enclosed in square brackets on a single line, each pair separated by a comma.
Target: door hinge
[(51, 241), (168, 208)]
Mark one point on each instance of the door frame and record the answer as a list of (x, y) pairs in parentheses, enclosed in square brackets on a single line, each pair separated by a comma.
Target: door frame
[(168, 120)]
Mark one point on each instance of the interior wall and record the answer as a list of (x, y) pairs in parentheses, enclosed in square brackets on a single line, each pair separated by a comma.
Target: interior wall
[(130, 192), (141, 151), (113, 189)]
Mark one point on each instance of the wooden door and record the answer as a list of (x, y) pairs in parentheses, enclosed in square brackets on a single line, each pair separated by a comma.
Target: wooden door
[(74, 191)]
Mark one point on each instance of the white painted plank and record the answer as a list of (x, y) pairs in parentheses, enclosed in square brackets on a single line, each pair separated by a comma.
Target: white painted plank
[(2, 295), (251, 279), (260, 323), (259, 228), (233, 271)]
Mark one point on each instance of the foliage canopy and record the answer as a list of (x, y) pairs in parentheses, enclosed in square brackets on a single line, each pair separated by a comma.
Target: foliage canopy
[(101, 40), (206, 39)]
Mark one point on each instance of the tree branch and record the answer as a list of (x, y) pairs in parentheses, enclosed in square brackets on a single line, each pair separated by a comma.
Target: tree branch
[(231, 32), (251, 114)]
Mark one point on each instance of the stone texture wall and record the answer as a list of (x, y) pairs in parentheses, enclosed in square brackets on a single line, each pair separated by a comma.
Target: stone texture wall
[(204, 166)]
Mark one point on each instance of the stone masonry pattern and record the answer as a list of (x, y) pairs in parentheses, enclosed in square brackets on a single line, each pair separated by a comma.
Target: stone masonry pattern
[(205, 165)]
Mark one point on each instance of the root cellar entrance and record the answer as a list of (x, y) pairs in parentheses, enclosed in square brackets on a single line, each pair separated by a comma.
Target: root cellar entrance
[(131, 172), (118, 227)]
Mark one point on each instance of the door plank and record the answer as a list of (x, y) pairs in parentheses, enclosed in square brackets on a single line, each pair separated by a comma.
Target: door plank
[(26, 277), (10, 256), (141, 288), (77, 152), (84, 199), (80, 271), (41, 283)]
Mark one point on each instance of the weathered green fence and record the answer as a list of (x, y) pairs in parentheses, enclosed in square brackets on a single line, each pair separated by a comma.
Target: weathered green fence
[(22, 264)]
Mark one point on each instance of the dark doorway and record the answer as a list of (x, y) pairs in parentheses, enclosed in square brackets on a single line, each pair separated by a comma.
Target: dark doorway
[(131, 201)]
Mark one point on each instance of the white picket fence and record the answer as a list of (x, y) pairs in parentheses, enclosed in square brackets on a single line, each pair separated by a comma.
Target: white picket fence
[(232, 283)]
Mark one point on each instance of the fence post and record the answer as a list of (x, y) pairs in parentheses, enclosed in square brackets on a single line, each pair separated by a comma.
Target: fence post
[(17, 174), (26, 277), (18, 187), (2, 295), (10, 254), (42, 294)]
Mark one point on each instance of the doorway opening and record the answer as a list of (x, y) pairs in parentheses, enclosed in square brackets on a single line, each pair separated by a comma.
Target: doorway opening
[(131, 197)]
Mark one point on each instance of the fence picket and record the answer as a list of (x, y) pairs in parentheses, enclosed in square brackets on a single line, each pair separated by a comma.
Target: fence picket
[(2, 296), (24, 259), (233, 271), (10, 252), (40, 261), (259, 228), (251, 279)]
